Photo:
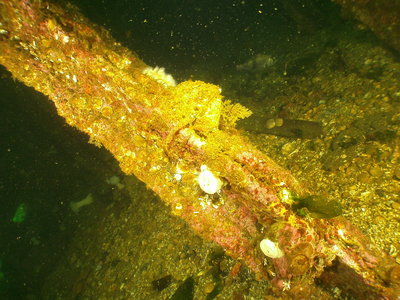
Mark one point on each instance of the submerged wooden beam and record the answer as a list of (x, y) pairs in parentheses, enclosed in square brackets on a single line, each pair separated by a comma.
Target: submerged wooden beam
[(180, 139)]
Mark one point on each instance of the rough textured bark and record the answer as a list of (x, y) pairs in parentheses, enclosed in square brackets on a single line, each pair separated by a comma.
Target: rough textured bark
[(170, 135)]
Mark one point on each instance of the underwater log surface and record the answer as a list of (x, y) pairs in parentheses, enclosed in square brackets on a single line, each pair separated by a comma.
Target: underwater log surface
[(182, 142)]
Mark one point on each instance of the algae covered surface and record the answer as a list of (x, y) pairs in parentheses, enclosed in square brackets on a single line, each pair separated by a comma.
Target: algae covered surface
[(312, 67)]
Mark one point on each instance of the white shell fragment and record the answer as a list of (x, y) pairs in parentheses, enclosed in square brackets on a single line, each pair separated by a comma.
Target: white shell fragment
[(208, 182), (271, 249)]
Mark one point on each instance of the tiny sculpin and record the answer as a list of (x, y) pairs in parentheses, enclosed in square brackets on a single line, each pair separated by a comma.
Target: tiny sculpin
[(317, 207)]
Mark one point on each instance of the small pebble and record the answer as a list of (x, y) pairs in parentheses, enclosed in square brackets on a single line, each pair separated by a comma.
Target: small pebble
[(376, 172), (270, 123), (288, 148), (209, 287), (278, 122), (396, 205), (380, 220), (364, 177)]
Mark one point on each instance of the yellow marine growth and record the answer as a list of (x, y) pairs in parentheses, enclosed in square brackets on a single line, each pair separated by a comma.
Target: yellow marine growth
[(233, 112)]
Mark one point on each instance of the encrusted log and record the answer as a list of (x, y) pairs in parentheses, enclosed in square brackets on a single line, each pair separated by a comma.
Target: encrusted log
[(180, 139)]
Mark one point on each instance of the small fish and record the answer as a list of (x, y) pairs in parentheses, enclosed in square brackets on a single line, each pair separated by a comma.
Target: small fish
[(302, 129), (317, 207), (258, 63), (290, 128)]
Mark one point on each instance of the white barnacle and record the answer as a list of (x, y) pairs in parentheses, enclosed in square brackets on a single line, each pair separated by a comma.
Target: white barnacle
[(208, 182), (271, 249)]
